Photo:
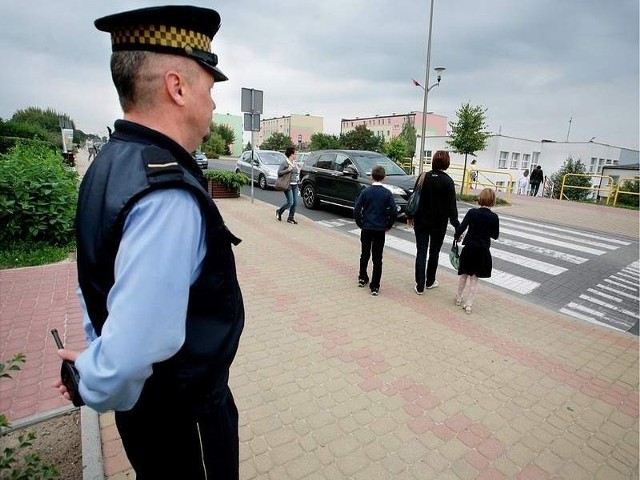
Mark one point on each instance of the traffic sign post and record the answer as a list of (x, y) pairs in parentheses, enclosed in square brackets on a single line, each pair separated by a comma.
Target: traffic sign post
[(251, 105)]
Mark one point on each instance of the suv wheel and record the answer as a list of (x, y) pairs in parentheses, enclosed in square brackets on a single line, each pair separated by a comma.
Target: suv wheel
[(262, 182), (309, 197)]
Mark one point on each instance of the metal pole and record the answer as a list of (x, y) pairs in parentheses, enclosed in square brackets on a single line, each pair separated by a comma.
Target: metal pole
[(253, 149), (426, 93)]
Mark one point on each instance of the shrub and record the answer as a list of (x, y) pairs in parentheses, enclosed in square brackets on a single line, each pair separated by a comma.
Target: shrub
[(38, 195), (230, 180), (627, 199)]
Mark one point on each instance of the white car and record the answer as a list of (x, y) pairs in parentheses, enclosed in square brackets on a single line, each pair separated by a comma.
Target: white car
[(202, 160), (265, 166)]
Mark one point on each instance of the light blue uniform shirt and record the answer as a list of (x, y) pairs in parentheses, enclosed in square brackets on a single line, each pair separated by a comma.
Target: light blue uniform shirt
[(159, 258)]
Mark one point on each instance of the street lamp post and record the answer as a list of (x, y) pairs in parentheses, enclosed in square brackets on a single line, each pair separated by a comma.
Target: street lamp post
[(426, 89), (439, 71)]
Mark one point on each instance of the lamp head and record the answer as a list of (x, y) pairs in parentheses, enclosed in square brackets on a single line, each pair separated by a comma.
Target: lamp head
[(439, 71)]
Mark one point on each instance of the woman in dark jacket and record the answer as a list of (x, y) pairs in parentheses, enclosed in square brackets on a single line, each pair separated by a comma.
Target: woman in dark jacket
[(437, 207)]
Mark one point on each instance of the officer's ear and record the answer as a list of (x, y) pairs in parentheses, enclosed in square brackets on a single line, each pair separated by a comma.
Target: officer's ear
[(175, 85)]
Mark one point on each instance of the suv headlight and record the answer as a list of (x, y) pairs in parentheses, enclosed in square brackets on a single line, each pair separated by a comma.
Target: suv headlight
[(393, 189)]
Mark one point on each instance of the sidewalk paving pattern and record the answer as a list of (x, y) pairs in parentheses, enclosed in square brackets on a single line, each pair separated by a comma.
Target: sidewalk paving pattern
[(331, 382)]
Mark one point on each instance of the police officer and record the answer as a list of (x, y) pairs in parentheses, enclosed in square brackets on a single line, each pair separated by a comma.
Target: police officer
[(163, 308)]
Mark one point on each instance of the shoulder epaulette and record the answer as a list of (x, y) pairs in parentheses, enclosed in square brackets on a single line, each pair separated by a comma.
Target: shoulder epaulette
[(161, 165)]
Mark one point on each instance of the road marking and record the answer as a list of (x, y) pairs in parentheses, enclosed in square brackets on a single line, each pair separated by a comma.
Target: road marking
[(624, 280), (608, 280), (559, 229), (605, 295), (590, 319), (557, 243), (609, 306), (567, 257), (618, 292), (561, 236)]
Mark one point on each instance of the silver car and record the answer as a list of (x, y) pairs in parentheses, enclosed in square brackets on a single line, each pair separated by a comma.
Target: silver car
[(265, 166)]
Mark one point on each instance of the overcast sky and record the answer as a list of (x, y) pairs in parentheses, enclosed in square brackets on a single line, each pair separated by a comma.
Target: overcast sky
[(534, 64)]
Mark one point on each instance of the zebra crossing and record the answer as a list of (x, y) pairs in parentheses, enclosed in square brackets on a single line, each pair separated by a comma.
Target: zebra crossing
[(530, 253)]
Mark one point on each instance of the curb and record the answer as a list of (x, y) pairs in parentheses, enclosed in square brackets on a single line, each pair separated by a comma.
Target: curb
[(92, 464)]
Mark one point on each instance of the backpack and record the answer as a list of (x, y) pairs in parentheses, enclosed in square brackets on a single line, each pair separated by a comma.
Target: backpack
[(414, 199)]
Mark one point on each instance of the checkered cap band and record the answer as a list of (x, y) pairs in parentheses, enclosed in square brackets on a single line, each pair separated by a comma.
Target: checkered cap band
[(161, 35)]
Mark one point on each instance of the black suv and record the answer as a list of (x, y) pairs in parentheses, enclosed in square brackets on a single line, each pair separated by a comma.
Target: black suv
[(338, 177)]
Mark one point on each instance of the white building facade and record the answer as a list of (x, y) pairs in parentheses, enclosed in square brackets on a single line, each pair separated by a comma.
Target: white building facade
[(514, 155)]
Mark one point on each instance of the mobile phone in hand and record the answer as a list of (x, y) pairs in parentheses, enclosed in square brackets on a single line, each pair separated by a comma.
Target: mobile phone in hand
[(68, 374)]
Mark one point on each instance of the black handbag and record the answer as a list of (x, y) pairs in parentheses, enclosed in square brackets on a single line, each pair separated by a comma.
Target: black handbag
[(414, 199)]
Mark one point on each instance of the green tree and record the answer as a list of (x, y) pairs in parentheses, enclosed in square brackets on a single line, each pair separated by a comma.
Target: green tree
[(324, 141), (48, 119), (627, 198), (361, 138), (571, 166), (409, 135), (468, 134), (248, 146), (277, 141), (226, 132), (214, 146), (395, 149)]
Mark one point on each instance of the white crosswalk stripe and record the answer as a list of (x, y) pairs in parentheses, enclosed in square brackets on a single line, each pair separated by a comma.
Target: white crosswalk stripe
[(528, 253)]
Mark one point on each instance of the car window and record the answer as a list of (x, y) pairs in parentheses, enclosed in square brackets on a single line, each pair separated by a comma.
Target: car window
[(246, 156), (367, 162), (342, 161), (326, 161), (272, 158)]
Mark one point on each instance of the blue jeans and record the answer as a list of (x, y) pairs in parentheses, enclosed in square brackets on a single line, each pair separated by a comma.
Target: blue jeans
[(291, 195), (432, 240)]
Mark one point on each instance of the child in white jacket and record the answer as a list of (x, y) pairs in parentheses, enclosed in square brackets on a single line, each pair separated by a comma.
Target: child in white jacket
[(522, 185)]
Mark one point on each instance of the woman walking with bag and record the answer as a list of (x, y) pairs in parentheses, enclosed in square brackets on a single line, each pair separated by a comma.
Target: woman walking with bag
[(289, 169), (437, 205)]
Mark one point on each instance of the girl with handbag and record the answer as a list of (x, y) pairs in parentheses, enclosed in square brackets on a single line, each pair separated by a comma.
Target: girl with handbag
[(290, 169)]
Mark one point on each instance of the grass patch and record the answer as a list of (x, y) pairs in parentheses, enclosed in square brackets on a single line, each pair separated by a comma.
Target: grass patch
[(30, 254)]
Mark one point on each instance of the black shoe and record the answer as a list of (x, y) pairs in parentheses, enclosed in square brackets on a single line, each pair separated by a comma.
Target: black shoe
[(362, 283), (291, 220), (375, 291)]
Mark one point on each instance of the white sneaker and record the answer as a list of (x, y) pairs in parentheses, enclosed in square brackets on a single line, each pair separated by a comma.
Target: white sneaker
[(433, 285), (415, 288), (459, 301)]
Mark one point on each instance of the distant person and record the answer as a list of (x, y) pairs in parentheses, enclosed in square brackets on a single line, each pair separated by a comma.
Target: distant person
[(163, 311), (475, 258), (437, 206), (536, 178), (522, 184), (474, 174), (374, 212), (289, 166)]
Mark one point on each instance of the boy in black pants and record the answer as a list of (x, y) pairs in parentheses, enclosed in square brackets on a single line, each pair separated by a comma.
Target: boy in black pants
[(375, 212)]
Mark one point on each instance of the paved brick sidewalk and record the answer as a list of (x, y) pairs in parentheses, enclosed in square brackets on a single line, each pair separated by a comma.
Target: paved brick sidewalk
[(333, 383)]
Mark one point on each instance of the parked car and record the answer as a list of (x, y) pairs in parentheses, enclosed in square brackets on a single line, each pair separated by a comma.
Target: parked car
[(265, 166), (202, 160), (338, 177)]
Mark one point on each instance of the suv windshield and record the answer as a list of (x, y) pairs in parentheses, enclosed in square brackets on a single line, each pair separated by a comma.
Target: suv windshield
[(272, 158), (367, 162)]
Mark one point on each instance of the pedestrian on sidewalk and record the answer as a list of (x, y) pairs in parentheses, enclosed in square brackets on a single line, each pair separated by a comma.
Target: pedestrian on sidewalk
[(290, 167), (437, 206), (163, 311), (475, 258), (375, 212), (535, 180), (522, 184)]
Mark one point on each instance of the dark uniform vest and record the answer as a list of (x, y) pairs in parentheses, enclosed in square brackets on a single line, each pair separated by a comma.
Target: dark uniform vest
[(134, 162)]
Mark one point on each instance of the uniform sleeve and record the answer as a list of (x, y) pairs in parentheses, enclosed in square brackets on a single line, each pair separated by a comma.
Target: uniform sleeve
[(495, 233), (159, 257)]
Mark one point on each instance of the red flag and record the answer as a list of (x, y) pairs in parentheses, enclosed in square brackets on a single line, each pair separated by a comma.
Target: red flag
[(415, 82)]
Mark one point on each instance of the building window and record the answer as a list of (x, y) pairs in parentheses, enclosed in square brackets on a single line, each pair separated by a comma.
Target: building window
[(615, 162), (388, 133), (594, 163), (535, 158), (608, 161), (515, 157), (502, 163), (525, 160)]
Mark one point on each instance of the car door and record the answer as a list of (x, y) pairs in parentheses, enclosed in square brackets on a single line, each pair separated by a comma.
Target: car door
[(347, 188), (245, 164), (325, 175)]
